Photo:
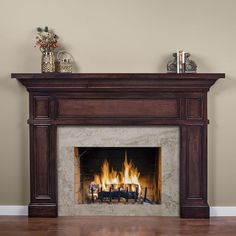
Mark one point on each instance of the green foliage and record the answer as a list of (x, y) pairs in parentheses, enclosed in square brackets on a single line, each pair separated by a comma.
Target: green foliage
[(39, 29), (46, 39)]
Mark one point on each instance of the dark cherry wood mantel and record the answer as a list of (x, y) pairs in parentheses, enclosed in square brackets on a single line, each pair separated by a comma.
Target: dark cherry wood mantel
[(118, 99)]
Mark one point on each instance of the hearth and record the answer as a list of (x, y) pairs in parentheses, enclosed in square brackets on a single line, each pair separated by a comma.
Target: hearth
[(121, 175)]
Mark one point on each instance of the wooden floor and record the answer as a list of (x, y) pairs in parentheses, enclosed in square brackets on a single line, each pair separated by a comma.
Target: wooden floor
[(117, 226)]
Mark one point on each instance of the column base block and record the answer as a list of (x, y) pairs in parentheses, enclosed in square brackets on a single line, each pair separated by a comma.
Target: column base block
[(42, 210), (195, 212)]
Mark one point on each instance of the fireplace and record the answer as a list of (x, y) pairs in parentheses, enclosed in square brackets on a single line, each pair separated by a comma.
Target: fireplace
[(118, 100), (118, 175)]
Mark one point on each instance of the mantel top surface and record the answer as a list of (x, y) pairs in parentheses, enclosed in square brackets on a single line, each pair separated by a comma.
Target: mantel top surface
[(75, 82), (117, 76)]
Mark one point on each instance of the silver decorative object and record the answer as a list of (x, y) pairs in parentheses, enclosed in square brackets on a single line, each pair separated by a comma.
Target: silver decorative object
[(64, 62), (172, 65), (48, 61), (188, 67)]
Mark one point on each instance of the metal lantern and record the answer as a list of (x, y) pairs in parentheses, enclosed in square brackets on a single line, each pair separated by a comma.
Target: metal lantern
[(64, 62)]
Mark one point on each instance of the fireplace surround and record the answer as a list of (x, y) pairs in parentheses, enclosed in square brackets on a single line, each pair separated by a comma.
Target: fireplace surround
[(118, 100), (161, 139)]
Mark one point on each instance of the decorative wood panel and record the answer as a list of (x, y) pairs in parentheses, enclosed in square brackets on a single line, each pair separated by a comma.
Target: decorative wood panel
[(42, 159), (118, 99), (41, 107), (43, 171), (41, 137), (194, 108), (194, 172), (194, 162), (162, 108)]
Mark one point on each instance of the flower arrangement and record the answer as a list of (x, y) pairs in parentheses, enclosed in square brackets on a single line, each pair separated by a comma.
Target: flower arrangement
[(46, 40)]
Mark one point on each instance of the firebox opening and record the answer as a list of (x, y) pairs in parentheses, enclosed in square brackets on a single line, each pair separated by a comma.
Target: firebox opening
[(121, 175)]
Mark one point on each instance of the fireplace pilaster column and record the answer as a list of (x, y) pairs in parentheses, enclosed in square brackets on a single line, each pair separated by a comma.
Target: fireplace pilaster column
[(43, 200), (193, 172)]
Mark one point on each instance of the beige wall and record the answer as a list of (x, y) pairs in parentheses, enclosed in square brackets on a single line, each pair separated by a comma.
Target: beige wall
[(119, 36)]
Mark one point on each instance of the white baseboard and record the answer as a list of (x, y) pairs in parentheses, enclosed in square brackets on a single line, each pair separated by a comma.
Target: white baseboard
[(223, 211), (10, 210)]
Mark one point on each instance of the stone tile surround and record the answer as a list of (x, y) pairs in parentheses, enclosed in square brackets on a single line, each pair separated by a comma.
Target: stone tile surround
[(139, 136)]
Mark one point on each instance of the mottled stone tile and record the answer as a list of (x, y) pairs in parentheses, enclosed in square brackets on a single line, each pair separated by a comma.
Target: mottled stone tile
[(142, 136)]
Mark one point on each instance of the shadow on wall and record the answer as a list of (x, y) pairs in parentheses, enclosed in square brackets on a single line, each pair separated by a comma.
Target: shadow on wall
[(162, 65)]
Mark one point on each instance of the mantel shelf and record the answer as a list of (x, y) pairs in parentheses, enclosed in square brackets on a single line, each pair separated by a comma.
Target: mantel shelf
[(117, 75), (118, 81)]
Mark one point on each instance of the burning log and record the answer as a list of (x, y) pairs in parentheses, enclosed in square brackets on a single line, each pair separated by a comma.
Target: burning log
[(117, 195), (117, 185), (112, 180), (131, 187), (97, 193)]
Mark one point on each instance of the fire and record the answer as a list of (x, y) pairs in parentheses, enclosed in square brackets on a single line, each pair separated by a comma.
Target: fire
[(127, 178)]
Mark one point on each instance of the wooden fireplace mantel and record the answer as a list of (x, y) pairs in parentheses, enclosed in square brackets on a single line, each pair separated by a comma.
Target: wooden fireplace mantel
[(118, 99)]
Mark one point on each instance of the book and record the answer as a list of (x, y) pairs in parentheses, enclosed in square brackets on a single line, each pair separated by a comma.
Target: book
[(180, 61)]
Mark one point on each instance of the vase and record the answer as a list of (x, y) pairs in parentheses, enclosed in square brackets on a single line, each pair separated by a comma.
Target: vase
[(48, 61)]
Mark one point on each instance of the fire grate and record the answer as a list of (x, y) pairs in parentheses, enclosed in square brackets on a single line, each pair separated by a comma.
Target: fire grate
[(118, 195)]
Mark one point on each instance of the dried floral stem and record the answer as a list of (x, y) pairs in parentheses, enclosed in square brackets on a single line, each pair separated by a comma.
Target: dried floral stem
[(46, 39)]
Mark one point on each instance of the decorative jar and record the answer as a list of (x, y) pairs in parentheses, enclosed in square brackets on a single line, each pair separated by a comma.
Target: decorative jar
[(48, 61), (64, 62)]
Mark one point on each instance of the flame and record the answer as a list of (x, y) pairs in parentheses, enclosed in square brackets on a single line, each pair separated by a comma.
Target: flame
[(127, 178)]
